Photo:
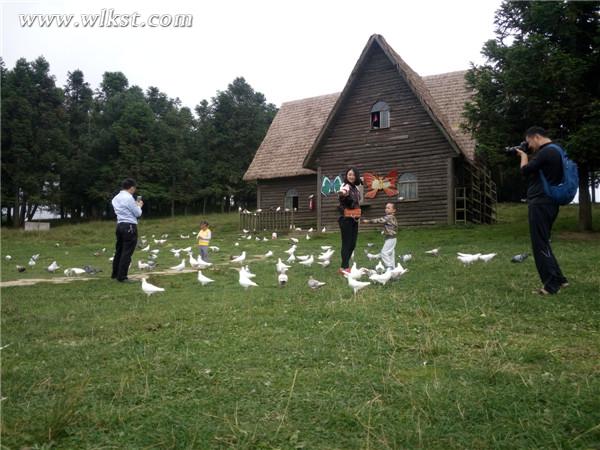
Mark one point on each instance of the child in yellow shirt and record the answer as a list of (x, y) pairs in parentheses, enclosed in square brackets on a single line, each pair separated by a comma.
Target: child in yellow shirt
[(204, 237)]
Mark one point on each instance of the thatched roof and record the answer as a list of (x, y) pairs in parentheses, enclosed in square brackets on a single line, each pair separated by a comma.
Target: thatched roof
[(299, 126)]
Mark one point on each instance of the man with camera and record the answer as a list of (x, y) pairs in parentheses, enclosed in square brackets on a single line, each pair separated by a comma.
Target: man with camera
[(127, 210), (542, 208)]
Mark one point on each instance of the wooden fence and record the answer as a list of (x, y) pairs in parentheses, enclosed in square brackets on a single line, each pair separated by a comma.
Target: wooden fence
[(270, 220)]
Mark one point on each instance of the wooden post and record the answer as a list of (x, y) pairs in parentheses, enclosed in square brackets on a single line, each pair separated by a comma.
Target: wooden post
[(318, 194)]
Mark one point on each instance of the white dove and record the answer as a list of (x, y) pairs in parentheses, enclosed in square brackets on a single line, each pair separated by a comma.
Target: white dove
[(268, 254), (214, 248), (291, 250), (245, 271), (398, 271), (278, 209), (193, 261), (187, 249), (326, 256), (487, 257), (380, 268), (203, 279), (179, 267), (355, 272), (382, 278), (308, 262), (324, 263), (357, 285), (264, 239), (53, 267), (146, 248), (325, 247), (281, 267), (291, 259), (372, 256), (303, 257), (246, 282), (468, 259), (298, 229), (310, 230), (176, 252), (257, 238), (201, 264), (246, 231), (282, 279), (184, 236), (433, 252), (150, 289), (8, 257), (314, 284), (308, 237), (35, 257), (237, 244), (143, 265), (74, 271), (160, 241), (324, 229), (156, 251), (294, 240), (240, 258), (274, 235), (406, 258)]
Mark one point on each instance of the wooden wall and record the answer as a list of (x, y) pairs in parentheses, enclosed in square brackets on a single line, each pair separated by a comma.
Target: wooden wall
[(271, 194), (413, 143)]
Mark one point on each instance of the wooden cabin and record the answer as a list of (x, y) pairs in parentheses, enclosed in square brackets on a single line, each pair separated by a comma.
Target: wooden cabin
[(401, 129)]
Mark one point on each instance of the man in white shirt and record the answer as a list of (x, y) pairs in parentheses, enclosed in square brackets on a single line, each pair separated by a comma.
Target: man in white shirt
[(127, 211)]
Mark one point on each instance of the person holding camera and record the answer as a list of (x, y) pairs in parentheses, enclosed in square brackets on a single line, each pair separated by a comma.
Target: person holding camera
[(127, 211), (542, 209)]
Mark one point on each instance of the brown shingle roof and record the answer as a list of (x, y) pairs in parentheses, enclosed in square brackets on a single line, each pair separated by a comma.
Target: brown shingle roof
[(450, 92), (290, 137), (299, 125)]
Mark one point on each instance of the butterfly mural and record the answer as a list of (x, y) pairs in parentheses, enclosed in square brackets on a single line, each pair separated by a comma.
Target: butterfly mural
[(376, 183), (331, 185)]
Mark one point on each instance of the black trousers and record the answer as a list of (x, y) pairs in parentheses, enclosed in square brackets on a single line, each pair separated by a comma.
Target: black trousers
[(541, 219), (126, 242), (349, 229)]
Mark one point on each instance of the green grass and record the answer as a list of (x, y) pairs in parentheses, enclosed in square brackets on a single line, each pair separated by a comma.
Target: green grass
[(447, 357)]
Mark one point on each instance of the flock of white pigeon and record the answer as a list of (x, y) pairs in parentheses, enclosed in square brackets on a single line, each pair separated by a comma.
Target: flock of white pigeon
[(354, 275)]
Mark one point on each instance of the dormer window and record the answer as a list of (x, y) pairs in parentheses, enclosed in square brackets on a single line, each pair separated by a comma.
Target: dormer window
[(380, 116)]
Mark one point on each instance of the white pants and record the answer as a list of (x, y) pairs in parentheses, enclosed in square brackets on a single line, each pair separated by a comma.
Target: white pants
[(388, 253)]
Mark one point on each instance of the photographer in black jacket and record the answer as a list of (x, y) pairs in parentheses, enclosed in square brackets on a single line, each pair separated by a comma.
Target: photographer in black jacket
[(542, 209)]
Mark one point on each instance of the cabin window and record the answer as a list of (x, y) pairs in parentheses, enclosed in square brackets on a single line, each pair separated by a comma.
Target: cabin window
[(407, 187), (380, 116), (291, 199)]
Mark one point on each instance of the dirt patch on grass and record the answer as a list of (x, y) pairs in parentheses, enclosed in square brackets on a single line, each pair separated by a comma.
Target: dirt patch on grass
[(579, 235)]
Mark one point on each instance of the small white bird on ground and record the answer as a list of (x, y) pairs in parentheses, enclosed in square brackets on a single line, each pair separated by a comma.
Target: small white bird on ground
[(179, 267), (203, 279), (291, 259), (156, 251), (278, 209), (214, 248), (370, 244), (245, 271), (240, 258), (193, 261), (187, 249), (294, 240), (237, 244), (325, 247), (245, 231), (268, 254), (184, 236), (159, 241), (32, 262), (326, 256), (357, 285), (310, 230), (246, 282), (398, 271), (201, 264), (35, 257), (74, 271), (380, 268), (487, 257), (8, 257), (406, 258), (150, 289), (308, 262), (315, 284), (303, 257), (53, 267), (146, 248), (291, 250), (433, 252), (373, 256), (282, 279), (308, 237), (323, 230), (468, 259), (382, 278), (176, 252), (143, 266), (281, 267), (325, 263), (356, 273)]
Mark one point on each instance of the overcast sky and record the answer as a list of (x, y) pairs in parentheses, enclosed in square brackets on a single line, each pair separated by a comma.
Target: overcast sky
[(285, 49)]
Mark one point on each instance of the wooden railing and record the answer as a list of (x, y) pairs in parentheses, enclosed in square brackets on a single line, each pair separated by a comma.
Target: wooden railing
[(266, 220)]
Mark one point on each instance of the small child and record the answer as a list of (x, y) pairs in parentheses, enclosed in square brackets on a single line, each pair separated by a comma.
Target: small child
[(204, 236), (390, 226)]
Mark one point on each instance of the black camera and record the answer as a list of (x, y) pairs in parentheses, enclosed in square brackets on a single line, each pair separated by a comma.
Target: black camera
[(523, 146)]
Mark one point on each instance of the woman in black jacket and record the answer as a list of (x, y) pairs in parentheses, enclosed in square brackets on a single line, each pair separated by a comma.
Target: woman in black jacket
[(350, 215)]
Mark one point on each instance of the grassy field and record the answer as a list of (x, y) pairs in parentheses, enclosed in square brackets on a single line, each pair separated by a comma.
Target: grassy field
[(447, 357)]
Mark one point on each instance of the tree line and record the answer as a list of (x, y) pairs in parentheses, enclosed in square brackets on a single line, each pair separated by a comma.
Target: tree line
[(68, 148)]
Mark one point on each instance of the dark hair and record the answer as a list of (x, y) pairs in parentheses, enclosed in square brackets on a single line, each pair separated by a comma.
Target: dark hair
[(532, 131), (128, 183), (357, 180), (204, 222)]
